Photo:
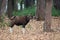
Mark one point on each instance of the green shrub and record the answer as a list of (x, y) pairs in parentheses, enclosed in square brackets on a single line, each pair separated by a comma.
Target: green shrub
[(32, 11)]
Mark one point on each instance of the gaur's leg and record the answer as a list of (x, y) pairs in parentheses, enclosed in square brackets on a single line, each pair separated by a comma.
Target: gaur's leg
[(23, 29), (23, 26), (11, 28)]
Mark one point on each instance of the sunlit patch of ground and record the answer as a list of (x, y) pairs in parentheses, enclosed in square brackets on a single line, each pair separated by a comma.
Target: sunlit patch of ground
[(34, 31)]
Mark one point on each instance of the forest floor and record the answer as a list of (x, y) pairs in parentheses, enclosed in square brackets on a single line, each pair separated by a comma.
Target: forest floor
[(34, 31)]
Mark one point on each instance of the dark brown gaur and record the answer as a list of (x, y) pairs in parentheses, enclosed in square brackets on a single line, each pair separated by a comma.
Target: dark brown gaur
[(20, 20)]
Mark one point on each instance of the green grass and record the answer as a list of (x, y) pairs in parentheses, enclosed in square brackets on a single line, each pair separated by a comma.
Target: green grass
[(33, 10)]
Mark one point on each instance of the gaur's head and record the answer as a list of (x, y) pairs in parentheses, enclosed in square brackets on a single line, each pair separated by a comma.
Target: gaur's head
[(13, 17), (12, 20)]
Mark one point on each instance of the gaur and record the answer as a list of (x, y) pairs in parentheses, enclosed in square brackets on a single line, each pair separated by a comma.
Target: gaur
[(20, 20)]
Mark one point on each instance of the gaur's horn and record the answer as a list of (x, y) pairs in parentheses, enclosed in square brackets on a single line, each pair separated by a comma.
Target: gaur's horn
[(13, 17)]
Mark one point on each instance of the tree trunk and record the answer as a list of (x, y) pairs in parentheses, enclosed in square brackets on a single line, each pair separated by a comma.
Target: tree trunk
[(56, 4), (15, 5), (40, 13), (0, 9), (0, 6), (27, 3), (10, 8), (21, 5), (31, 3), (3, 7), (47, 24)]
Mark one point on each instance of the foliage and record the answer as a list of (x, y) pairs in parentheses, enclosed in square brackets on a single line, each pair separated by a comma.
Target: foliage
[(25, 12), (3, 22), (32, 11), (55, 12)]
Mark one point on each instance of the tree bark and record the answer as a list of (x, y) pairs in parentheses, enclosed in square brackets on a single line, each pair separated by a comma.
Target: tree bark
[(0, 6), (3, 6), (40, 13), (15, 5), (21, 5), (48, 12), (0, 9), (10, 8), (26, 2), (31, 3), (56, 4)]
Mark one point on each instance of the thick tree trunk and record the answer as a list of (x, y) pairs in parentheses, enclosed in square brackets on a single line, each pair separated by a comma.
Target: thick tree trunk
[(47, 24), (10, 8), (40, 13), (3, 7)]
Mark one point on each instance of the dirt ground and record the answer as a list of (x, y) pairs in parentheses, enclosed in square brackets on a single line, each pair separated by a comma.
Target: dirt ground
[(34, 31)]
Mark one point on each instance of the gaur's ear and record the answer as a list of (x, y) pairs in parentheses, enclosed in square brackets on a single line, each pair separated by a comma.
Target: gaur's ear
[(12, 17)]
